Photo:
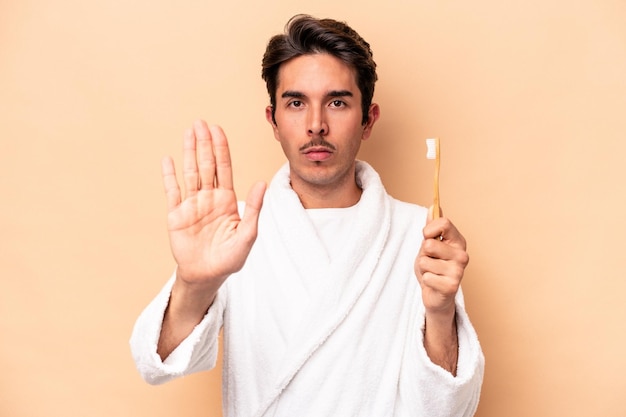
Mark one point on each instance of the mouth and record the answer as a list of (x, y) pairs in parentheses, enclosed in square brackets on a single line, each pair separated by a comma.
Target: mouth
[(317, 153), (320, 151)]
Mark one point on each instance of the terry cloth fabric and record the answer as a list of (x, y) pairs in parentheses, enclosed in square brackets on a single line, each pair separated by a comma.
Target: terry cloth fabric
[(307, 336)]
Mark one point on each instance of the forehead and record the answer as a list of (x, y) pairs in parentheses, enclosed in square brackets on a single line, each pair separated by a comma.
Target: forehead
[(316, 73)]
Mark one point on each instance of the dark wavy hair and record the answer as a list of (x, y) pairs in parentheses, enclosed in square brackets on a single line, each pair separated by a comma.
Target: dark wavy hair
[(306, 35)]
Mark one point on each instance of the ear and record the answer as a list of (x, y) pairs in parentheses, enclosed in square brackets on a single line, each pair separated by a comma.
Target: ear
[(372, 116), (270, 119)]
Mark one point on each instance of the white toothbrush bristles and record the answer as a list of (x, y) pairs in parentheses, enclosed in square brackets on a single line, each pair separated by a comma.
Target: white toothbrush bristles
[(431, 144)]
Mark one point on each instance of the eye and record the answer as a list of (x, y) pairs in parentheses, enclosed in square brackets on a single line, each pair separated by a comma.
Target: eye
[(295, 103), (337, 103)]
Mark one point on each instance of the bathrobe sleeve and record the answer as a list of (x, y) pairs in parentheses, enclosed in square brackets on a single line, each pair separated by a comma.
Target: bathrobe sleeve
[(441, 393), (198, 352)]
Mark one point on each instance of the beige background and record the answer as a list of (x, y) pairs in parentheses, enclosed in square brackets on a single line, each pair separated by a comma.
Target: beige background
[(529, 99)]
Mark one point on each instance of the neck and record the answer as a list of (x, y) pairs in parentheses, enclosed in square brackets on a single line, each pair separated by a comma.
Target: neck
[(319, 196), (315, 201)]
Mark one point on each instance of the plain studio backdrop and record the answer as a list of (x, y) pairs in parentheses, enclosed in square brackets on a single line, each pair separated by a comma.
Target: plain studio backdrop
[(528, 98)]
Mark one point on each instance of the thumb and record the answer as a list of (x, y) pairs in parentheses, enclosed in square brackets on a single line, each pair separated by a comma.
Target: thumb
[(254, 202), (431, 213)]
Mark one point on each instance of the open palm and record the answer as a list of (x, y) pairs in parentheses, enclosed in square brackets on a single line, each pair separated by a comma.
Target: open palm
[(208, 238)]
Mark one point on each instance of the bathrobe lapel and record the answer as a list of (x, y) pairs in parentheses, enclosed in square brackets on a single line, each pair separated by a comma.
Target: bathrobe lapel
[(341, 282)]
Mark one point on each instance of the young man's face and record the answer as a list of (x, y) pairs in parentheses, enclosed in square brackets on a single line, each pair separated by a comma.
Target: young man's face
[(318, 121)]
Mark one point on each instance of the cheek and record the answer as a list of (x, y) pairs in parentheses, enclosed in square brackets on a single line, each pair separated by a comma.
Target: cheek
[(276, 133), (288, 124), (289, 148)]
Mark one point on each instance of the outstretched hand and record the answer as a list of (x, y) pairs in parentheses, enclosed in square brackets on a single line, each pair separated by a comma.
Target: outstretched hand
[(208, 238)]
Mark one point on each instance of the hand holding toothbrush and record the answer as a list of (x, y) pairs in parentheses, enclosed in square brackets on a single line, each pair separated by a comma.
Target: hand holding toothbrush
[(439, 267)]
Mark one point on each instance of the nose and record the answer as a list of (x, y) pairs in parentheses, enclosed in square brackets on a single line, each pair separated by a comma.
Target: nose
[(316, 124)]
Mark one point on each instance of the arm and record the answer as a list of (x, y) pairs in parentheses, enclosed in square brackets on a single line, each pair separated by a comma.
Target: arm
[(439, 267), (208, 239), (429, 389), (197, 352), (186, 307), (441, 341)]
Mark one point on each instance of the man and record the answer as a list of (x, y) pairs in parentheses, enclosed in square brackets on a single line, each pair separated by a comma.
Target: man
[(335, 299)]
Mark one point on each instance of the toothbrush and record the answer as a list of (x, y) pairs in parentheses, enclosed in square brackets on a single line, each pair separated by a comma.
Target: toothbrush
[(433, 153)]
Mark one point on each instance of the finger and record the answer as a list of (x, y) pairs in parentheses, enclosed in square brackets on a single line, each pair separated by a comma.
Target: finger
[(190, 166), (443, 251), (254, 202), (444, 285), (431, 211), (205, 155), (438, 227), (444, 230), (452, 263), (431, 217), (224, 169), (170, 184)]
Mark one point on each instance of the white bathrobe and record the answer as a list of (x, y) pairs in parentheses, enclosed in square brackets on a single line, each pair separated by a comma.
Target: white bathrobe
[(306, 336)]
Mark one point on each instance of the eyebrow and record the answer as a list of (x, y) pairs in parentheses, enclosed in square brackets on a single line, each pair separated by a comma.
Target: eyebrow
[(332, 93), (292, 94)]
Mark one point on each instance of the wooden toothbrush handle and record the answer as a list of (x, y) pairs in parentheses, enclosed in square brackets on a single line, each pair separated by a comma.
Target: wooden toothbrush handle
[(436, 206)]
